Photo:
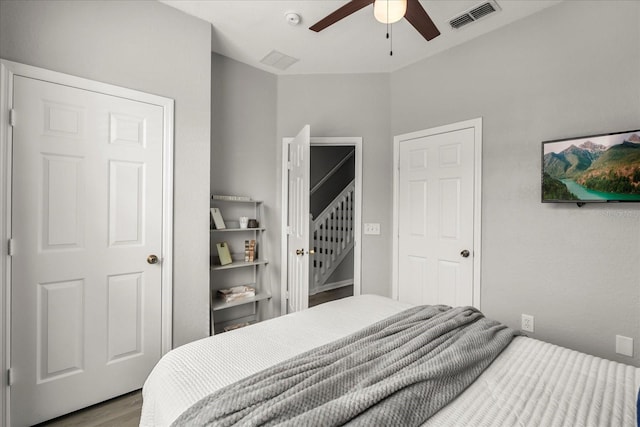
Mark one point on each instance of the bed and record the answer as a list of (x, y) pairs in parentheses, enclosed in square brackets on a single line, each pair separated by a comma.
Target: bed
[(530, 383)]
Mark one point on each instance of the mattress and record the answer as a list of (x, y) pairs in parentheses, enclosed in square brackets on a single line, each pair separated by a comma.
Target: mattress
[(531, 383)]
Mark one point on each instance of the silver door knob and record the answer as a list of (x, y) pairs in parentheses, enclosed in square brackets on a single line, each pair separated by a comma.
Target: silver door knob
[(152, 259), (465, 253)]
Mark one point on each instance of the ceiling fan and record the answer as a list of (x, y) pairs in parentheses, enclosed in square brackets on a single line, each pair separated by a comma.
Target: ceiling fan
[(385, 11)]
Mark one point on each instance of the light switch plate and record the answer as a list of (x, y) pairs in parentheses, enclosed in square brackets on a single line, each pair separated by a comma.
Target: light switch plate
[(371, 228)]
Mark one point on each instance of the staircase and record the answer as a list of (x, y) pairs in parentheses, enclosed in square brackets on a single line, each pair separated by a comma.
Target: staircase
[(331, 236)]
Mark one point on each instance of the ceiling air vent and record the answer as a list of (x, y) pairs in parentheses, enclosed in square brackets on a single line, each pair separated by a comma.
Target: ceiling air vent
[(473, 14), (278, 60)]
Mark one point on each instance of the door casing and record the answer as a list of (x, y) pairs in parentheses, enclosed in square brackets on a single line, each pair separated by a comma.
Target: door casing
[(355, 142), (476, 124), (8, 70)]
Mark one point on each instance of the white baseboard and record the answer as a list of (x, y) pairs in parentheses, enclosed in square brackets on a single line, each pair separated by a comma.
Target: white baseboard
[(331, 286)]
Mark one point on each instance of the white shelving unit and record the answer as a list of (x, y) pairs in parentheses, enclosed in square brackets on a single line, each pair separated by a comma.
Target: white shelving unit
[(239, 272)]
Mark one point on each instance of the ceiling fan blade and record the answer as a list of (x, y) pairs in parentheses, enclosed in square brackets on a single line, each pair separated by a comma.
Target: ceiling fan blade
[(417, 17), (338, 14)]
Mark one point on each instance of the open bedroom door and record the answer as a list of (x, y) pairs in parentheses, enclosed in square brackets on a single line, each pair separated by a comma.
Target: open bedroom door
[(297, 248)]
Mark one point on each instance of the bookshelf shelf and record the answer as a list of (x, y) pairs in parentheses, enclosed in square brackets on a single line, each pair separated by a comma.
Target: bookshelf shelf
[(239, 264), (227, 243), (217, 304), (231, 230)]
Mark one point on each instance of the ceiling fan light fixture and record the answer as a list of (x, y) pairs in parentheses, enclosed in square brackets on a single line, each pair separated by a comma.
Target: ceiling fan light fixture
[(389, 11)]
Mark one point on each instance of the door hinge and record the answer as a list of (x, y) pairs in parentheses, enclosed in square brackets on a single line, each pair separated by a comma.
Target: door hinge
[(286, 295), (288, 230), (289, 165), (11, 247), (12, 117), (9, 377)]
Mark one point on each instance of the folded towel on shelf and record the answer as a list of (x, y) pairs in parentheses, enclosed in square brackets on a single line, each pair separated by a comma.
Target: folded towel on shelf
[(236, 292)]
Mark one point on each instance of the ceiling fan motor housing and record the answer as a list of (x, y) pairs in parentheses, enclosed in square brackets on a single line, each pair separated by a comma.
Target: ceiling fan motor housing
[(415, 14)]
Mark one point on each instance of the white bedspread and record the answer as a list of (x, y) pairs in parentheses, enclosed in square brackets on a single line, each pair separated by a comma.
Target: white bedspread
[(531, 383)]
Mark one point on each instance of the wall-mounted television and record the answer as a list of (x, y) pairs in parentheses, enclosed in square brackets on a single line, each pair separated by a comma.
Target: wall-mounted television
[(595, 168)]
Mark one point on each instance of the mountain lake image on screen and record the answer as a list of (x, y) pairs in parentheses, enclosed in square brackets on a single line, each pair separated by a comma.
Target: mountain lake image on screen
[(597, 168)]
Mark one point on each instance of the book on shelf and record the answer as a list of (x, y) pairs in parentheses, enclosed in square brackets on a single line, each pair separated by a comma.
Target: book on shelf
[(249, 250), (218, 222), (223, 253), (236, 293)]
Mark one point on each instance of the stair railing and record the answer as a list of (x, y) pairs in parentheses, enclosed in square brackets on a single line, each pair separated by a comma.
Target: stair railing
[(332, 235)]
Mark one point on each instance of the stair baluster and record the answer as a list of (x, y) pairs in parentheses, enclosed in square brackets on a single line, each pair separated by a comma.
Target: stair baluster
[(332, 236)]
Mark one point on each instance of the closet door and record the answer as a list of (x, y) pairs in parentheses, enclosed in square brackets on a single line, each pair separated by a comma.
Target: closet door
[(87, 223), (436, 219)]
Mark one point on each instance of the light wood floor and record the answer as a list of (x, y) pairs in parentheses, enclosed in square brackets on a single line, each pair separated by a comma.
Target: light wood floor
[(334, 294), (123, 411)]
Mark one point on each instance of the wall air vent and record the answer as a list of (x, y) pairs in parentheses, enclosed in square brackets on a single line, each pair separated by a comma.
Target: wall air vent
[(473, 14)]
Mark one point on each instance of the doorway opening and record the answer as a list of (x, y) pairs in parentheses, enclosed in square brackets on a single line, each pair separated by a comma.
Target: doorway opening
[(332, 221), (331, 214)]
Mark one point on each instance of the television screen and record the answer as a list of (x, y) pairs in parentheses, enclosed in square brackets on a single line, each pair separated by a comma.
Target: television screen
[(597, 168)]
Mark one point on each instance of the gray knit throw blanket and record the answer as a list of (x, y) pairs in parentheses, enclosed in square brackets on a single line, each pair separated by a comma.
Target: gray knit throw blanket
[(396, 372)]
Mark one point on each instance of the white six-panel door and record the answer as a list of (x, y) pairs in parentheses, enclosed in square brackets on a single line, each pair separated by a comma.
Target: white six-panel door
[(86, 214), (298, 221), (435, 218)]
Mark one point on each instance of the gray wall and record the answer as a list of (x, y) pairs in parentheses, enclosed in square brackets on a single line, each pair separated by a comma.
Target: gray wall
[(153, 48), (244, 158), (243, 130), (350, 105), (253, 110), (571, 70)]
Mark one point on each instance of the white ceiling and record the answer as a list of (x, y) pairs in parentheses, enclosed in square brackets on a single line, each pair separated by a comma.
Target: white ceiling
[(247, 30)]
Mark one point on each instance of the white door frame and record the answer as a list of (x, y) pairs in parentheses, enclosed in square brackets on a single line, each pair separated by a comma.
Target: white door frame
[(357, 248), (8, 70), (476, 124)]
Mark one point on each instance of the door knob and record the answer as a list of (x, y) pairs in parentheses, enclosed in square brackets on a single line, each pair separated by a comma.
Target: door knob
[(301, 252), (464, 254), (152, 259)]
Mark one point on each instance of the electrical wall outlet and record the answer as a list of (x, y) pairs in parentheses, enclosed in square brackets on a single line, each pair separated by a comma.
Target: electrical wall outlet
[(527, 323), (371, 228), (624, 345)]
